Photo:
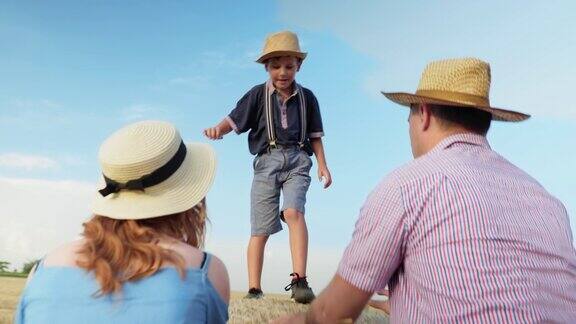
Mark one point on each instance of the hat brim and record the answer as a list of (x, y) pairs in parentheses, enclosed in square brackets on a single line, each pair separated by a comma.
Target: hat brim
[(406, 99), (263, 58), (180, 192)]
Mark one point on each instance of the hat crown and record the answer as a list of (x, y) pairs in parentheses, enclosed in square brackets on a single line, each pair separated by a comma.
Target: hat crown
[(281, 41), (469, 76), (284, 43), (138, 149)]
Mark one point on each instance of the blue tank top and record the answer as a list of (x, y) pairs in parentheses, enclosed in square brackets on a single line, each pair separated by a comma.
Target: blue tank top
[(66, 295)]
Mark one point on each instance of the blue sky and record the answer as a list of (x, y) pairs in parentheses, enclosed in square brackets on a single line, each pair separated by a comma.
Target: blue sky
[(72, 72)]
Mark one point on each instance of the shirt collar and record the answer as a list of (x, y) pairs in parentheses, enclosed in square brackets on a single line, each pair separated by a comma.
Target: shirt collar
[(272, 89), (466, 138)]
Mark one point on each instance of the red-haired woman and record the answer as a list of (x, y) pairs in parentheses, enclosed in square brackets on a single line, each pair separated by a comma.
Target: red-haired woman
[(139, 260)]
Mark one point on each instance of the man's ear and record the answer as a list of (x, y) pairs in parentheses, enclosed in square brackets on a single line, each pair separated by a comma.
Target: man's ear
[(425, 114)]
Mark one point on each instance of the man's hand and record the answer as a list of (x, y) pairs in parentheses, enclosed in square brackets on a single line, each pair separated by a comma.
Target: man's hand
[(383, 305), (213, 133), (324, 173)]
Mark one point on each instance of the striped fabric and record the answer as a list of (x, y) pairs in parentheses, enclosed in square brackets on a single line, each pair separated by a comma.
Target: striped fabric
[(268, 110), (282, 103), (462, 235)]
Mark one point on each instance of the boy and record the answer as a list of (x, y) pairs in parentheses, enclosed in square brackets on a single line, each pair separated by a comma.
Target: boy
[(285, 129)]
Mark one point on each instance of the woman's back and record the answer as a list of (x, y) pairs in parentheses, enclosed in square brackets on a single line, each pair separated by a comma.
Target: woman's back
[(66, 294)]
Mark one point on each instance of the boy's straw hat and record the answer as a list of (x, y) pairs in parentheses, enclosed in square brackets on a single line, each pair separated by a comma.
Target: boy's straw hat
[(148, 171), (456, 82), (284, 43)]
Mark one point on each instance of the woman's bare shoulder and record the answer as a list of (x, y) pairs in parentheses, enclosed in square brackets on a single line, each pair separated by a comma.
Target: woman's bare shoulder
[(66, 255), (192, 256)]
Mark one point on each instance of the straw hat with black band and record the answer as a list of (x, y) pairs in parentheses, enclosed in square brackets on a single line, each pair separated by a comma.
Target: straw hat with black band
[(148, 171)]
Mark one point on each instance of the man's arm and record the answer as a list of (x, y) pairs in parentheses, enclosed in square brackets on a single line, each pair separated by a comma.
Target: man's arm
[(323, 172), (339, 301)]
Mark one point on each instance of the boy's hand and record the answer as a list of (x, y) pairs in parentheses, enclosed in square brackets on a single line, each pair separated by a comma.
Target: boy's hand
[(213, 133), (323, 173)]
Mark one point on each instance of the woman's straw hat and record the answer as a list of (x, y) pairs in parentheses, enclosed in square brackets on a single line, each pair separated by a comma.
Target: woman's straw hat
[(148, 171), (284, 43), (456, 82)]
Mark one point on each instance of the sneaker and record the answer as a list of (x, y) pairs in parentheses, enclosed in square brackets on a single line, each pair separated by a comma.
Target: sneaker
[(301, 292), (254, 293)]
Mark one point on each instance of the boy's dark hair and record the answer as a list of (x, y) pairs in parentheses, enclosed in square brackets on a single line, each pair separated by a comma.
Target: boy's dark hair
[(472, 119)]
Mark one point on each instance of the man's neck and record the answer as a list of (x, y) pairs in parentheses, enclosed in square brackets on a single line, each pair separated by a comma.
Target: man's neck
[(434, 138)]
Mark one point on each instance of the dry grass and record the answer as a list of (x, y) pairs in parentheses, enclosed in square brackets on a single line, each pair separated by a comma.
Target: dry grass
[(10, 289), (274, 306), (241, 310)]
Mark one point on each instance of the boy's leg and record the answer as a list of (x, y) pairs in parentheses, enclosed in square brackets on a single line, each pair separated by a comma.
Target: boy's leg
[(295, 188), (298, 240), (265, 199), (256, 260), (293, 209)]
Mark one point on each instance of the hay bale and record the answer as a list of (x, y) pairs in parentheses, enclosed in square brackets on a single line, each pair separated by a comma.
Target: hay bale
[(271, 307)]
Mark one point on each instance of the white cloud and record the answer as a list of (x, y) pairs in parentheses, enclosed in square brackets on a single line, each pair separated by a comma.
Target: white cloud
[(193, 83), (142, 111), (531, 62), (233, 58), (27, 162), (35, 104), (198, 75), (39, 215), (72, 160), (32, 112)]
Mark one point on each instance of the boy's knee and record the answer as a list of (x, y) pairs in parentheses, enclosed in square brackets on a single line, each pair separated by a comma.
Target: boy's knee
[(260, 238), (291, 214)]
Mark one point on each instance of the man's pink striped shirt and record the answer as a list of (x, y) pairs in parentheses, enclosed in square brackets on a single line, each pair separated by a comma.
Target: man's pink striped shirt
[(462, 235)]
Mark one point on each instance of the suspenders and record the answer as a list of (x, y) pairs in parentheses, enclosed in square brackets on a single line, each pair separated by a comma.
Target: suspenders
[(269, 112), (303, 120)]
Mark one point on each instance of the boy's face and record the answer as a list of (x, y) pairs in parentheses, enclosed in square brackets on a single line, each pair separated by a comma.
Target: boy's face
[(282, 71)]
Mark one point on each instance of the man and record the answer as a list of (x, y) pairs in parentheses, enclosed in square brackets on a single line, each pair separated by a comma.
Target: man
[(459, 234)]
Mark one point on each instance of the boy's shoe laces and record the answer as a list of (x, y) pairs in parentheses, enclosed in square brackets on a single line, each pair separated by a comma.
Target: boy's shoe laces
[(298, 281)]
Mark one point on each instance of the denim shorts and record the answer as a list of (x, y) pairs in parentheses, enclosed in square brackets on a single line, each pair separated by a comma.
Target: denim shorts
[(283, 170)]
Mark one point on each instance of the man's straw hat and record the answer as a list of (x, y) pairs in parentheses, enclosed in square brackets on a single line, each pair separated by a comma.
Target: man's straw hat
[(148, 171), (456, 82), (284, 43)]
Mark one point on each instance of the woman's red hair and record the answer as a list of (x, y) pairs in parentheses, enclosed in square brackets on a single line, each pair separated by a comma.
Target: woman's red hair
[(126, 250)]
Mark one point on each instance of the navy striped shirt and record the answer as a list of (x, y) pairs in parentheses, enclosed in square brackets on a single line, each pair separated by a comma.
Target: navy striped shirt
[(249, 116)]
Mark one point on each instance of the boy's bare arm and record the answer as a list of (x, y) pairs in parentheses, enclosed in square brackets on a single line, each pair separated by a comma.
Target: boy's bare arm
[(323, 172), (218, 131)]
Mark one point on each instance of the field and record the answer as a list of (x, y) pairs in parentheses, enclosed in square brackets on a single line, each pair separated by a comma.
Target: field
[(241, 310), (10, 289)]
